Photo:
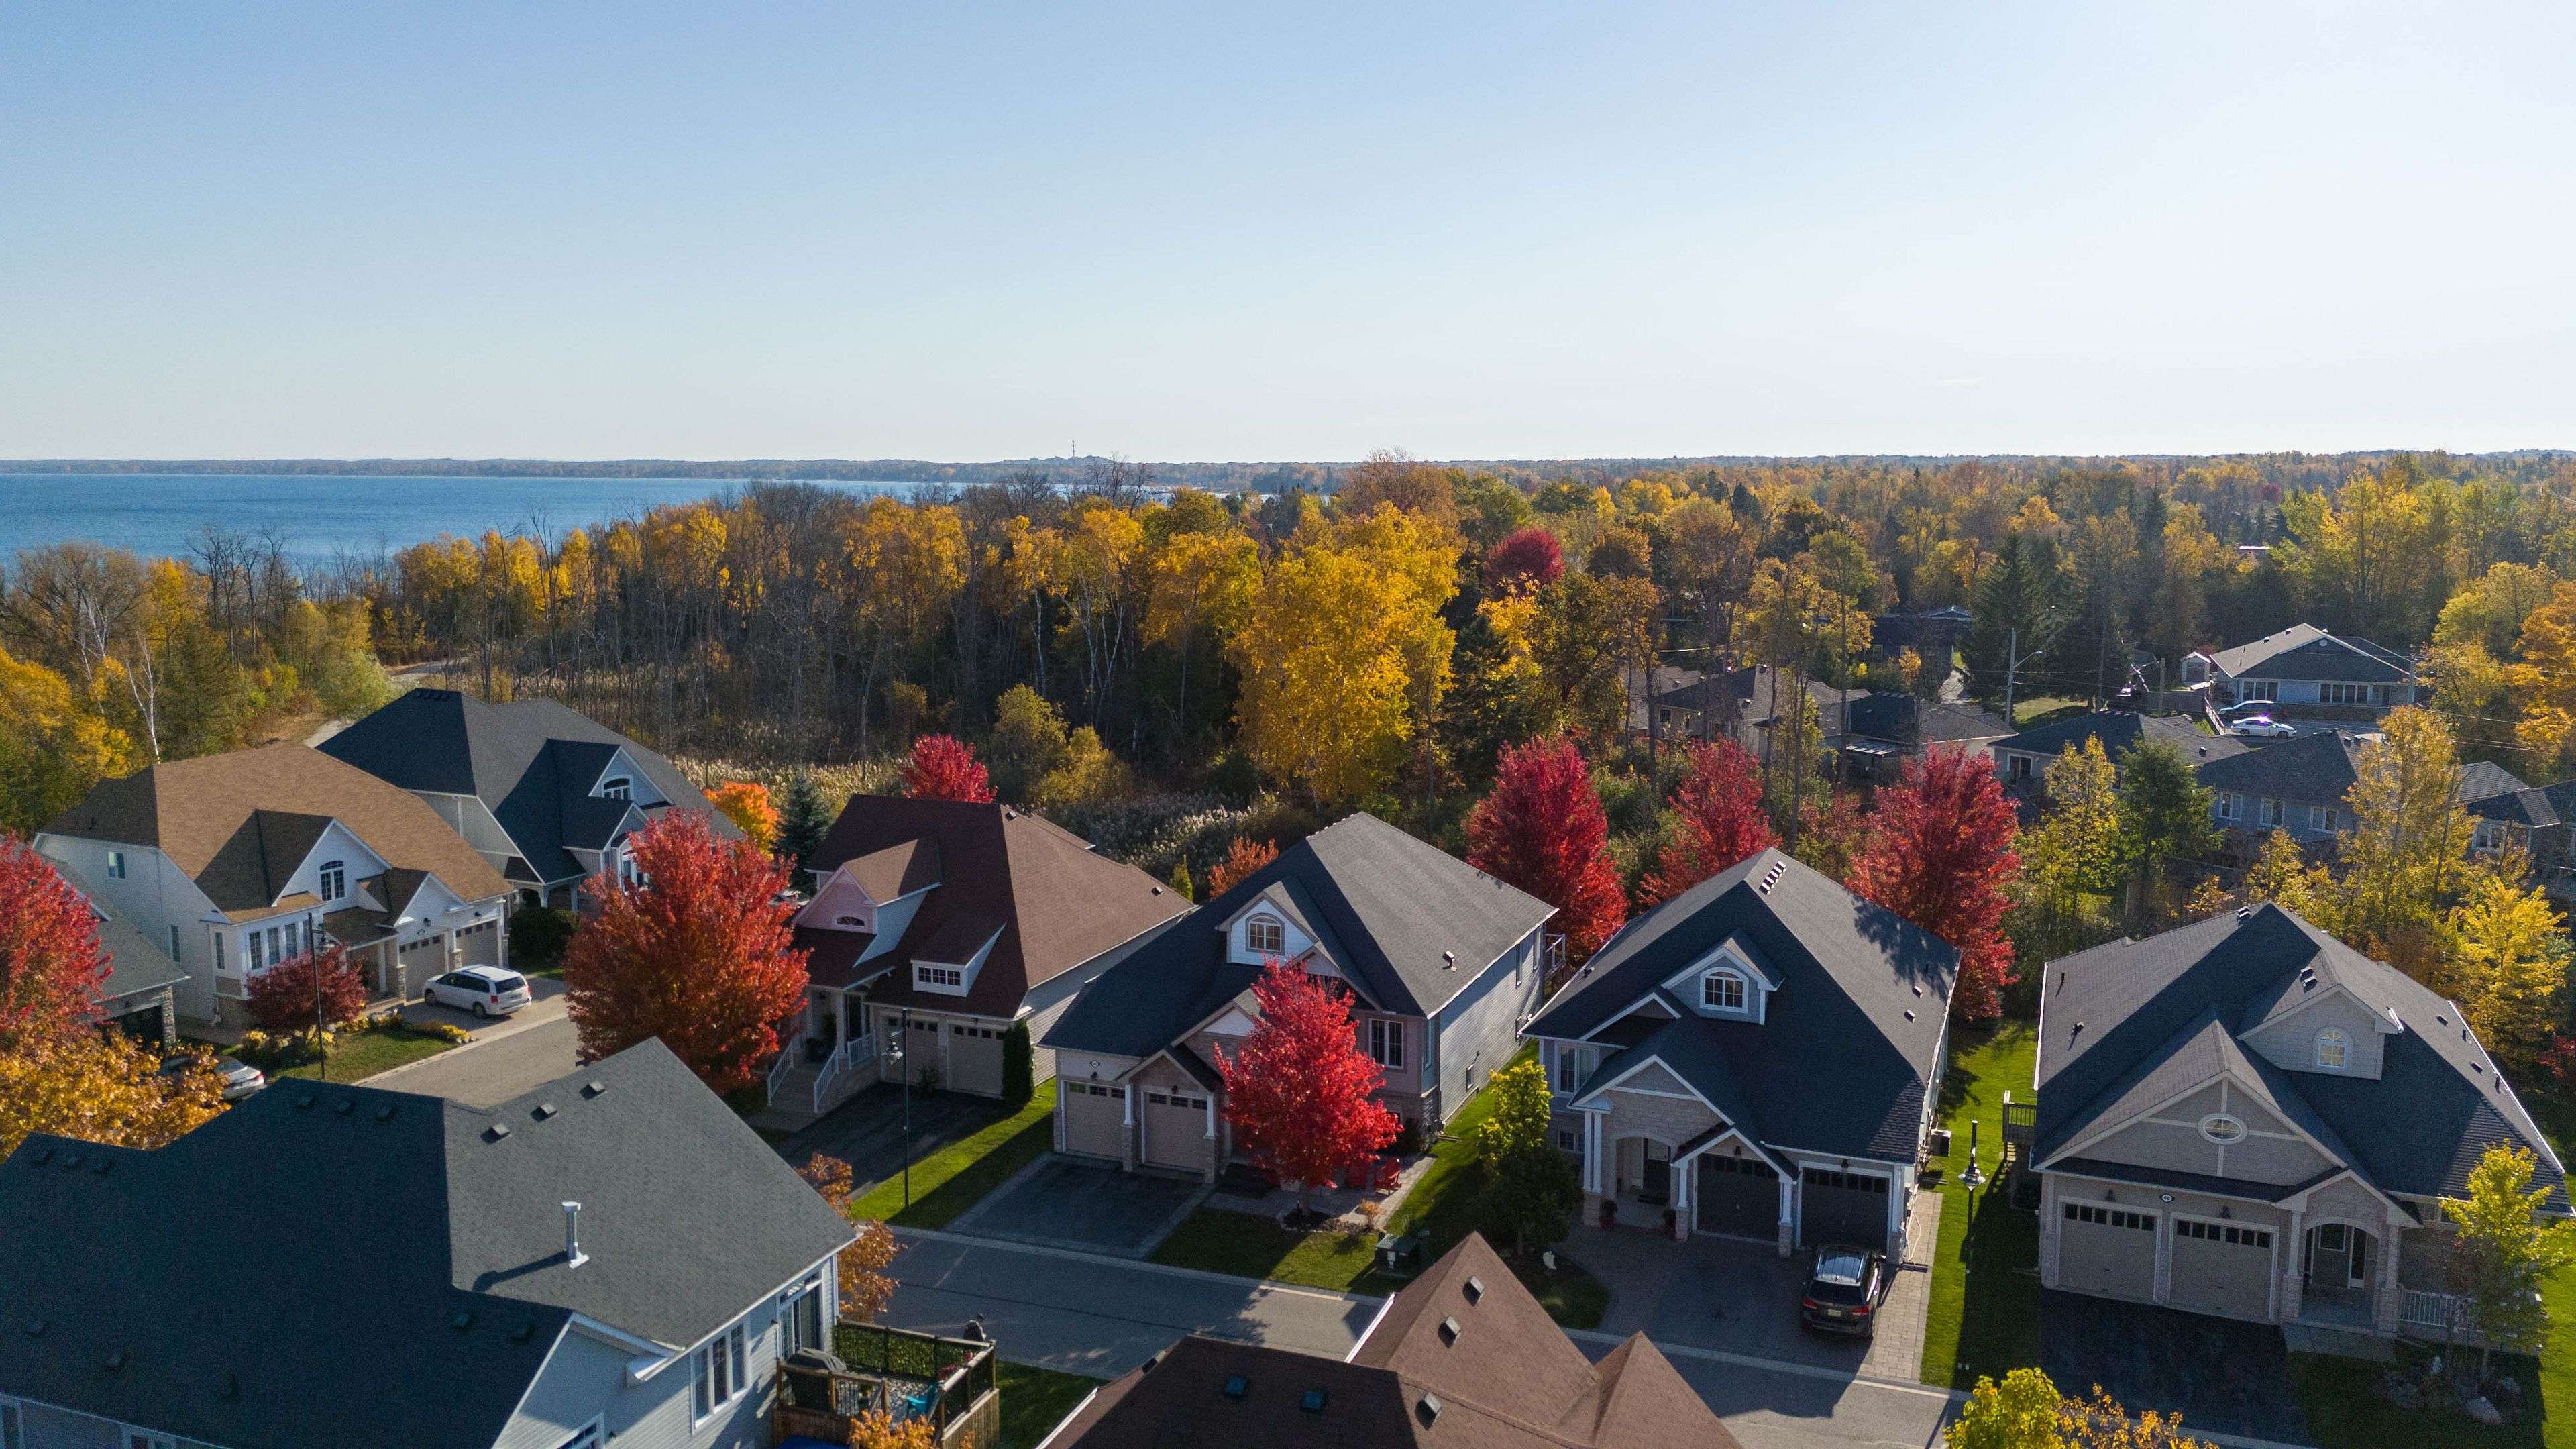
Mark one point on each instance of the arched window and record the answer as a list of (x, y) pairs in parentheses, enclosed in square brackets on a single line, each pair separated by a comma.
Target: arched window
[(2332, 1045), (1722, 991), (1265, 934)]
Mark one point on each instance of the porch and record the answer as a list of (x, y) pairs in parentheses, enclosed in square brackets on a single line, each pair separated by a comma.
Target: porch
[(830, 1057), (950, 1383)]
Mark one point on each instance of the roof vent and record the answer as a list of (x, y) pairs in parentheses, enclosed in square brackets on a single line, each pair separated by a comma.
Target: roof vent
[(1152, 1364), (1158, 890), (1909, 1014), (594, 1087), (385, 1113), (1475, 1289), (228, 1387), (1429, 1407), (35, 1327), (523, 1332), (1237, 1386), (1448, 1330), (574, 1257), (72, 1159), (342, 1106), (1449, 960), (115, 1360), (304, 1099), (462, 1321), (545, 1110), (496, 1131), (1312, 1401), (2244, 911), (103, 1163), (41, 1156)]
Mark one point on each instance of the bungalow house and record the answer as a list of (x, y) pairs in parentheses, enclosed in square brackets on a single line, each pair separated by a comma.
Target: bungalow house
[(1883, 730), (547, 796), (141, 994), (1758, 1057), (1462, 1355), (2533, 820), (611, 1258), (2022, 760), (240, 861), (2310, 674), (1441, 963), (2246, 1117), (1742, 705), (2299, 786), (941, 925)]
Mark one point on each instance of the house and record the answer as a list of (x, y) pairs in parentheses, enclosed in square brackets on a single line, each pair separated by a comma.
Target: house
[(1741, 705), (2535, 820), (2246, 1117), (547, 796), (1758, 1056), (1644, 686), (242, 860), (1933, 634), (2310, 674), (941, 924), (141, 994), (1882, 730), (1442, 964), (2299, 786), (611, 1258), (1462, 1355), (2022, 760)]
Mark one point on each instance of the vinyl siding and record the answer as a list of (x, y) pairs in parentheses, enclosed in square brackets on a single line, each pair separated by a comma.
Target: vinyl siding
[(1480, 1029), (2291, 1044), (50, 1428), (586, 1378), (2170, 1138)]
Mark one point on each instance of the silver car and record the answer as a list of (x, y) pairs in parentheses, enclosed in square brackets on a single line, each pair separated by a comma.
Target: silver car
[(240, 1078), (2263, 727), (483, 990)]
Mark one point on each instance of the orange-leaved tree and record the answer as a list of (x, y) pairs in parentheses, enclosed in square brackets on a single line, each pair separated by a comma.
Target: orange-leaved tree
[(1719, 821), (1241, 859), (51, 966), (1300, 1091), (1543, 830), (865, 1289), (746, 804), (1940, 854), (942, 767), (699, 953)]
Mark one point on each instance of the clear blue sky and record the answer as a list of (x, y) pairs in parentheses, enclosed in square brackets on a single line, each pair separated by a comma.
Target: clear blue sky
[(1205, 232)]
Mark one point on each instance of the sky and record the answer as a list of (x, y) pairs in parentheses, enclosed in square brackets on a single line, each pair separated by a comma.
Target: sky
[(1192, 232)]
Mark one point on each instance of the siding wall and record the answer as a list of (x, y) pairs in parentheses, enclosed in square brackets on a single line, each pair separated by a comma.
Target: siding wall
[(586, 1378), (2292, 1044), (2171, 1140), (1479, 1031), (153, 897)]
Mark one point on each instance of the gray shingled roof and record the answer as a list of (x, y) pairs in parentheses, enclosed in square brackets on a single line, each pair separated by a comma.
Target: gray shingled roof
[(2304, 651), (2119, 731), (2123, 1011), (1850, 1040), (355, 1266), (2321, 767)]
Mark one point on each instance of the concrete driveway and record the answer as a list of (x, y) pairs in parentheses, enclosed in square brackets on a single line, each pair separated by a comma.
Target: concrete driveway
[(1056, 1202), (867, 1130), (2222, 1376), (493, 1068), (548, 1006)]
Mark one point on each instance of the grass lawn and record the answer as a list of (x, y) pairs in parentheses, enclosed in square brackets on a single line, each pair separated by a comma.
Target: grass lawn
[(2028, 712), (360, 1055), (1217, 1241), (1035, 1400), (1984, 1313), (956, 1177)]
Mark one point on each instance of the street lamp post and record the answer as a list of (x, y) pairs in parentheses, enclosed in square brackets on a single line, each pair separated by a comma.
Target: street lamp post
[(903, 1041)]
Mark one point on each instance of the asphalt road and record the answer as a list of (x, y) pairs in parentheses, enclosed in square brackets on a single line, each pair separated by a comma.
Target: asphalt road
[(1101, 1316), (492, 1070)]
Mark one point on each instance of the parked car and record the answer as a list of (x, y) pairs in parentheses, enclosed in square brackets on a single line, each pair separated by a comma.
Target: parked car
[(240, 1078), (1843, 1291), (2245, 709), (483, 990), (2263, 727)]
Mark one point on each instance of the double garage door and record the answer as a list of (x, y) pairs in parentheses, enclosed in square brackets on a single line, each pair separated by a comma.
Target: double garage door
[(1841, 1207), (1095, 1119), (2221, 1268), (1176, 1130)]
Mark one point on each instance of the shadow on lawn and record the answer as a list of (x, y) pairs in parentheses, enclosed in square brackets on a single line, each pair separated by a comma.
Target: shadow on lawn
[(1999, 1317)]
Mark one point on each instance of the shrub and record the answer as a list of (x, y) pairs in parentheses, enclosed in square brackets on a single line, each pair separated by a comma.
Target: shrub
[(286, 996), (1019, 1065), (538, 935)]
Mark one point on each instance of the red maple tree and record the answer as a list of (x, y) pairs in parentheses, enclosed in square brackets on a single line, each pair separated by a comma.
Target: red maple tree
[(51, 966), (1526, 560), (284, 997), (1720, 821), (943, 767), (1299, 1090), (700, 954), (1241, 859), (1940, 853), (1542, 829)]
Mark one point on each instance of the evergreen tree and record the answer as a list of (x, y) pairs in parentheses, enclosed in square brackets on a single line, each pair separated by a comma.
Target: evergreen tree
[(2017, 613), (802, 823), (2164, 817)]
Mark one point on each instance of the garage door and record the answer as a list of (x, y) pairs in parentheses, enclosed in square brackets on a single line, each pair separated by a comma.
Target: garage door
[(1094, 1119), (920, 1046), (422, 960), (1176, 1130), (1841, 1207), (1738, 1196), (481, 944), (974, 1059), (2222, 1268), (2106, 1250)]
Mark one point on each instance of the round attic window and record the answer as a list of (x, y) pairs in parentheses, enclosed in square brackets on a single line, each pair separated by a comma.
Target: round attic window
[(2220, 1128)]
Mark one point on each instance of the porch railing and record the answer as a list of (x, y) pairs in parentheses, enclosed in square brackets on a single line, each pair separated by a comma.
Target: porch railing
[(2436, 1313), (846, 1058), (786, 1063)]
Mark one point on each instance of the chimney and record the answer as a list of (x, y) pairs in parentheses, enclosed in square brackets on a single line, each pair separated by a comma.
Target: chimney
[(574, 1257)]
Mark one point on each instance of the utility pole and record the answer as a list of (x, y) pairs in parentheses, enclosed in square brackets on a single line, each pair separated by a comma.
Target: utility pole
[(2012, 665)]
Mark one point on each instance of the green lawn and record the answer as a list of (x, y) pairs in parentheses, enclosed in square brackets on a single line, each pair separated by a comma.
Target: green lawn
[(1217, 1241), (1035, 1400), (2028, 712), (356, 1056), (956, 1177), (1984, 1314)]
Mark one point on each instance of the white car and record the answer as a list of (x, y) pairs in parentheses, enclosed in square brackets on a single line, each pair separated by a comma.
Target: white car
[(2263, 727), (483, 990)]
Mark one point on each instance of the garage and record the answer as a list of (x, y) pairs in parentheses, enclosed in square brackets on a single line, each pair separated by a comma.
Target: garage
[(1094, 1119), (1175, 1130), (974, 1059), (479, 945), (2104, 1249), (1841, 1207), (1738, 1196), (2222, 1267), (420, 960)]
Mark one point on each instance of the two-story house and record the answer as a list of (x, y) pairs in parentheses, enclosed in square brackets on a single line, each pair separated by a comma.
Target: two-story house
[(611, 1258), (943, 925), (2300, 786), (1440, 963), (239, 861), (547, 796), (1744, 705), (2248, 1118), (2022, 760), (1883, 730), (141, 993), (2309, 674), (1757, 1056)]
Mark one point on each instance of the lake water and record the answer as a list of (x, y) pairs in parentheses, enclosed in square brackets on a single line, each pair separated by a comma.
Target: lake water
[(324, 518)]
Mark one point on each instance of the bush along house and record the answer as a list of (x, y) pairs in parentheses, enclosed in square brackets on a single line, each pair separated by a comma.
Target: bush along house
[(1755, 1058), (1440, 962)]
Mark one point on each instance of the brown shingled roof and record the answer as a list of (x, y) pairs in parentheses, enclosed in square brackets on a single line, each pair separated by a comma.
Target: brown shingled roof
[(239, 823), (898, 870)]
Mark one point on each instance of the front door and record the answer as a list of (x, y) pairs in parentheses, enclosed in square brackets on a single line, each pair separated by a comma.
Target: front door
[(2338, 1257), (1657, 1184)]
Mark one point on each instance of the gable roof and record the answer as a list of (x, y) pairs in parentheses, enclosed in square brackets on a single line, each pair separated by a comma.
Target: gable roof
[(1057, 904), (532, 762), (2304, 651), (415, 1268), (1408, 923), (2119, 731), (1754, 689), (1465, 1333), (2121, 1012), (2321, 768), (1849, 1041), (239, 823), (898, 870), (1886, 715), (135, 963)]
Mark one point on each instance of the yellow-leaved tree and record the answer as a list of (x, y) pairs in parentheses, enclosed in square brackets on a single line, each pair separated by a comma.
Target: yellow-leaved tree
[(2506, 960), (53, 746), (102, 1087), (2409, 842)]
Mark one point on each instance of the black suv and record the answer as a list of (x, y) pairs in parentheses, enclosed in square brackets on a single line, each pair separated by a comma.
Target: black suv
[(1843, 1291)]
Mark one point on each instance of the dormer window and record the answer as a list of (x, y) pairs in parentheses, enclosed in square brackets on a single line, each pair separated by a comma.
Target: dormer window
[(2332, 1049), (617, 787), (1722, 991), (1265, 934)]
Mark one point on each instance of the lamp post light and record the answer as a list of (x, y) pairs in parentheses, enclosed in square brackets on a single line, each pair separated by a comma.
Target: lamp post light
[(903, 1041), (1971, 1178)]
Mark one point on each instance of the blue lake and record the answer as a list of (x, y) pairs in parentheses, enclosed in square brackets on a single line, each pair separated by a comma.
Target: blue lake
[(324, 518)]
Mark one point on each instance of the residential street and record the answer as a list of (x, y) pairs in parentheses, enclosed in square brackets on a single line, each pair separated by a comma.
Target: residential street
[(1101, 1316)]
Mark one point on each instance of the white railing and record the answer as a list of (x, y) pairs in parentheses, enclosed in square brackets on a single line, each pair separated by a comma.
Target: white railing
[(846, 1058), (786, 1063), (2435, 1312)]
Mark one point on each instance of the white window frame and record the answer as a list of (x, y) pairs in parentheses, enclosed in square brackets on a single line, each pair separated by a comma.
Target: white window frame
[(1386, 1042), (1743, 990), (2266, 690), (2324, 817), (2231, 805), (617, 787), (1566, 1078), (790, 1304), (1265, 924), (588, 1436), (2274, 813), (2334, 1038), (932, 976), (716, 1373), (116, 865), (332, 881), (2210, 1130)]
